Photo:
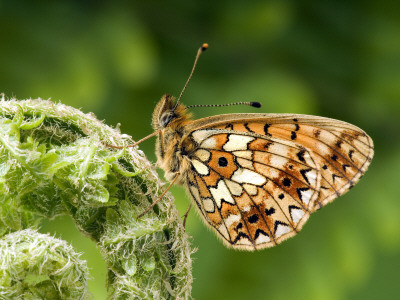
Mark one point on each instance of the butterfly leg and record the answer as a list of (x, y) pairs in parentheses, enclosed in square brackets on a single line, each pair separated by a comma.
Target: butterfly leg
[(159, 198), (186, 214)]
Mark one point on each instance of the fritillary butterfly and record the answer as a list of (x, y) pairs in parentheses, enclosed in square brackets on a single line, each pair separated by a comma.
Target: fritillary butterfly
[(256, 178)]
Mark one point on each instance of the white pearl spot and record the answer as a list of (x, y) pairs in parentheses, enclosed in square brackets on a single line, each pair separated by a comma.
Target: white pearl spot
[(262, 238), (202, 154), (201, 168), (221, 193), (235, 188), (237, 142), (306, 195), (281, 229), (209, 143), (208, 205), (201, 135), (231, 219), (296, 214), (248, 176), (250, 189), (312, 177)]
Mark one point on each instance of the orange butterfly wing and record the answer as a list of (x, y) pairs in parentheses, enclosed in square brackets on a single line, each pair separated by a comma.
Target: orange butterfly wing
[(257, 177)]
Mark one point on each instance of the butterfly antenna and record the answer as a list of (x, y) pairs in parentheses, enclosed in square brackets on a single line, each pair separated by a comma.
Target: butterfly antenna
[(253, 104), (134, 144), (203, 48)]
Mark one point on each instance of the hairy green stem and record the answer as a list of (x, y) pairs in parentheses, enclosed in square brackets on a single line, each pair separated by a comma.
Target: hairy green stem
[(53, 161)]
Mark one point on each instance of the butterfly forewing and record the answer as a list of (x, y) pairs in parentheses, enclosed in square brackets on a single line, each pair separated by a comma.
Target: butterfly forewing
[(341, 151)]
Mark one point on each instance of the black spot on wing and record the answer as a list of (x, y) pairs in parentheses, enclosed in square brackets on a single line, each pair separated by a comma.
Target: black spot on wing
[(351, 152), (229, 126), (246, 125), (293, 135), (300, 155), (266, 126), (222, 162), (270, 211), (253, 219), (286, 182), (304, 174)]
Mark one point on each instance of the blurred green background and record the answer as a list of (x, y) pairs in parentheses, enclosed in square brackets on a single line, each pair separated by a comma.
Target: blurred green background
[(337, 59)]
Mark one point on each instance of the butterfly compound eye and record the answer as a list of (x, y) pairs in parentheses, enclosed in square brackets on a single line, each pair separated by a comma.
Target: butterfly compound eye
[(166, 118)]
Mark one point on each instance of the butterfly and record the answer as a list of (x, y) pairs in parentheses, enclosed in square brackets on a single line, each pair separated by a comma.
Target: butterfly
[(256, 177)]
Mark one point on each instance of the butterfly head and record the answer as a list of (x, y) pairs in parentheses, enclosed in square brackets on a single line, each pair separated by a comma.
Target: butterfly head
[(168, 112)]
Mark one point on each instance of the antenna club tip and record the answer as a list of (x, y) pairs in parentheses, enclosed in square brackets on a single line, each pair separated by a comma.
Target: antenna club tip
[(255, 104), (204, 47)]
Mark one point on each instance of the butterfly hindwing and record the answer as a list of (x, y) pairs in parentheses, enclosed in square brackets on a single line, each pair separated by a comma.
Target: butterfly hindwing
[(256, 191)]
